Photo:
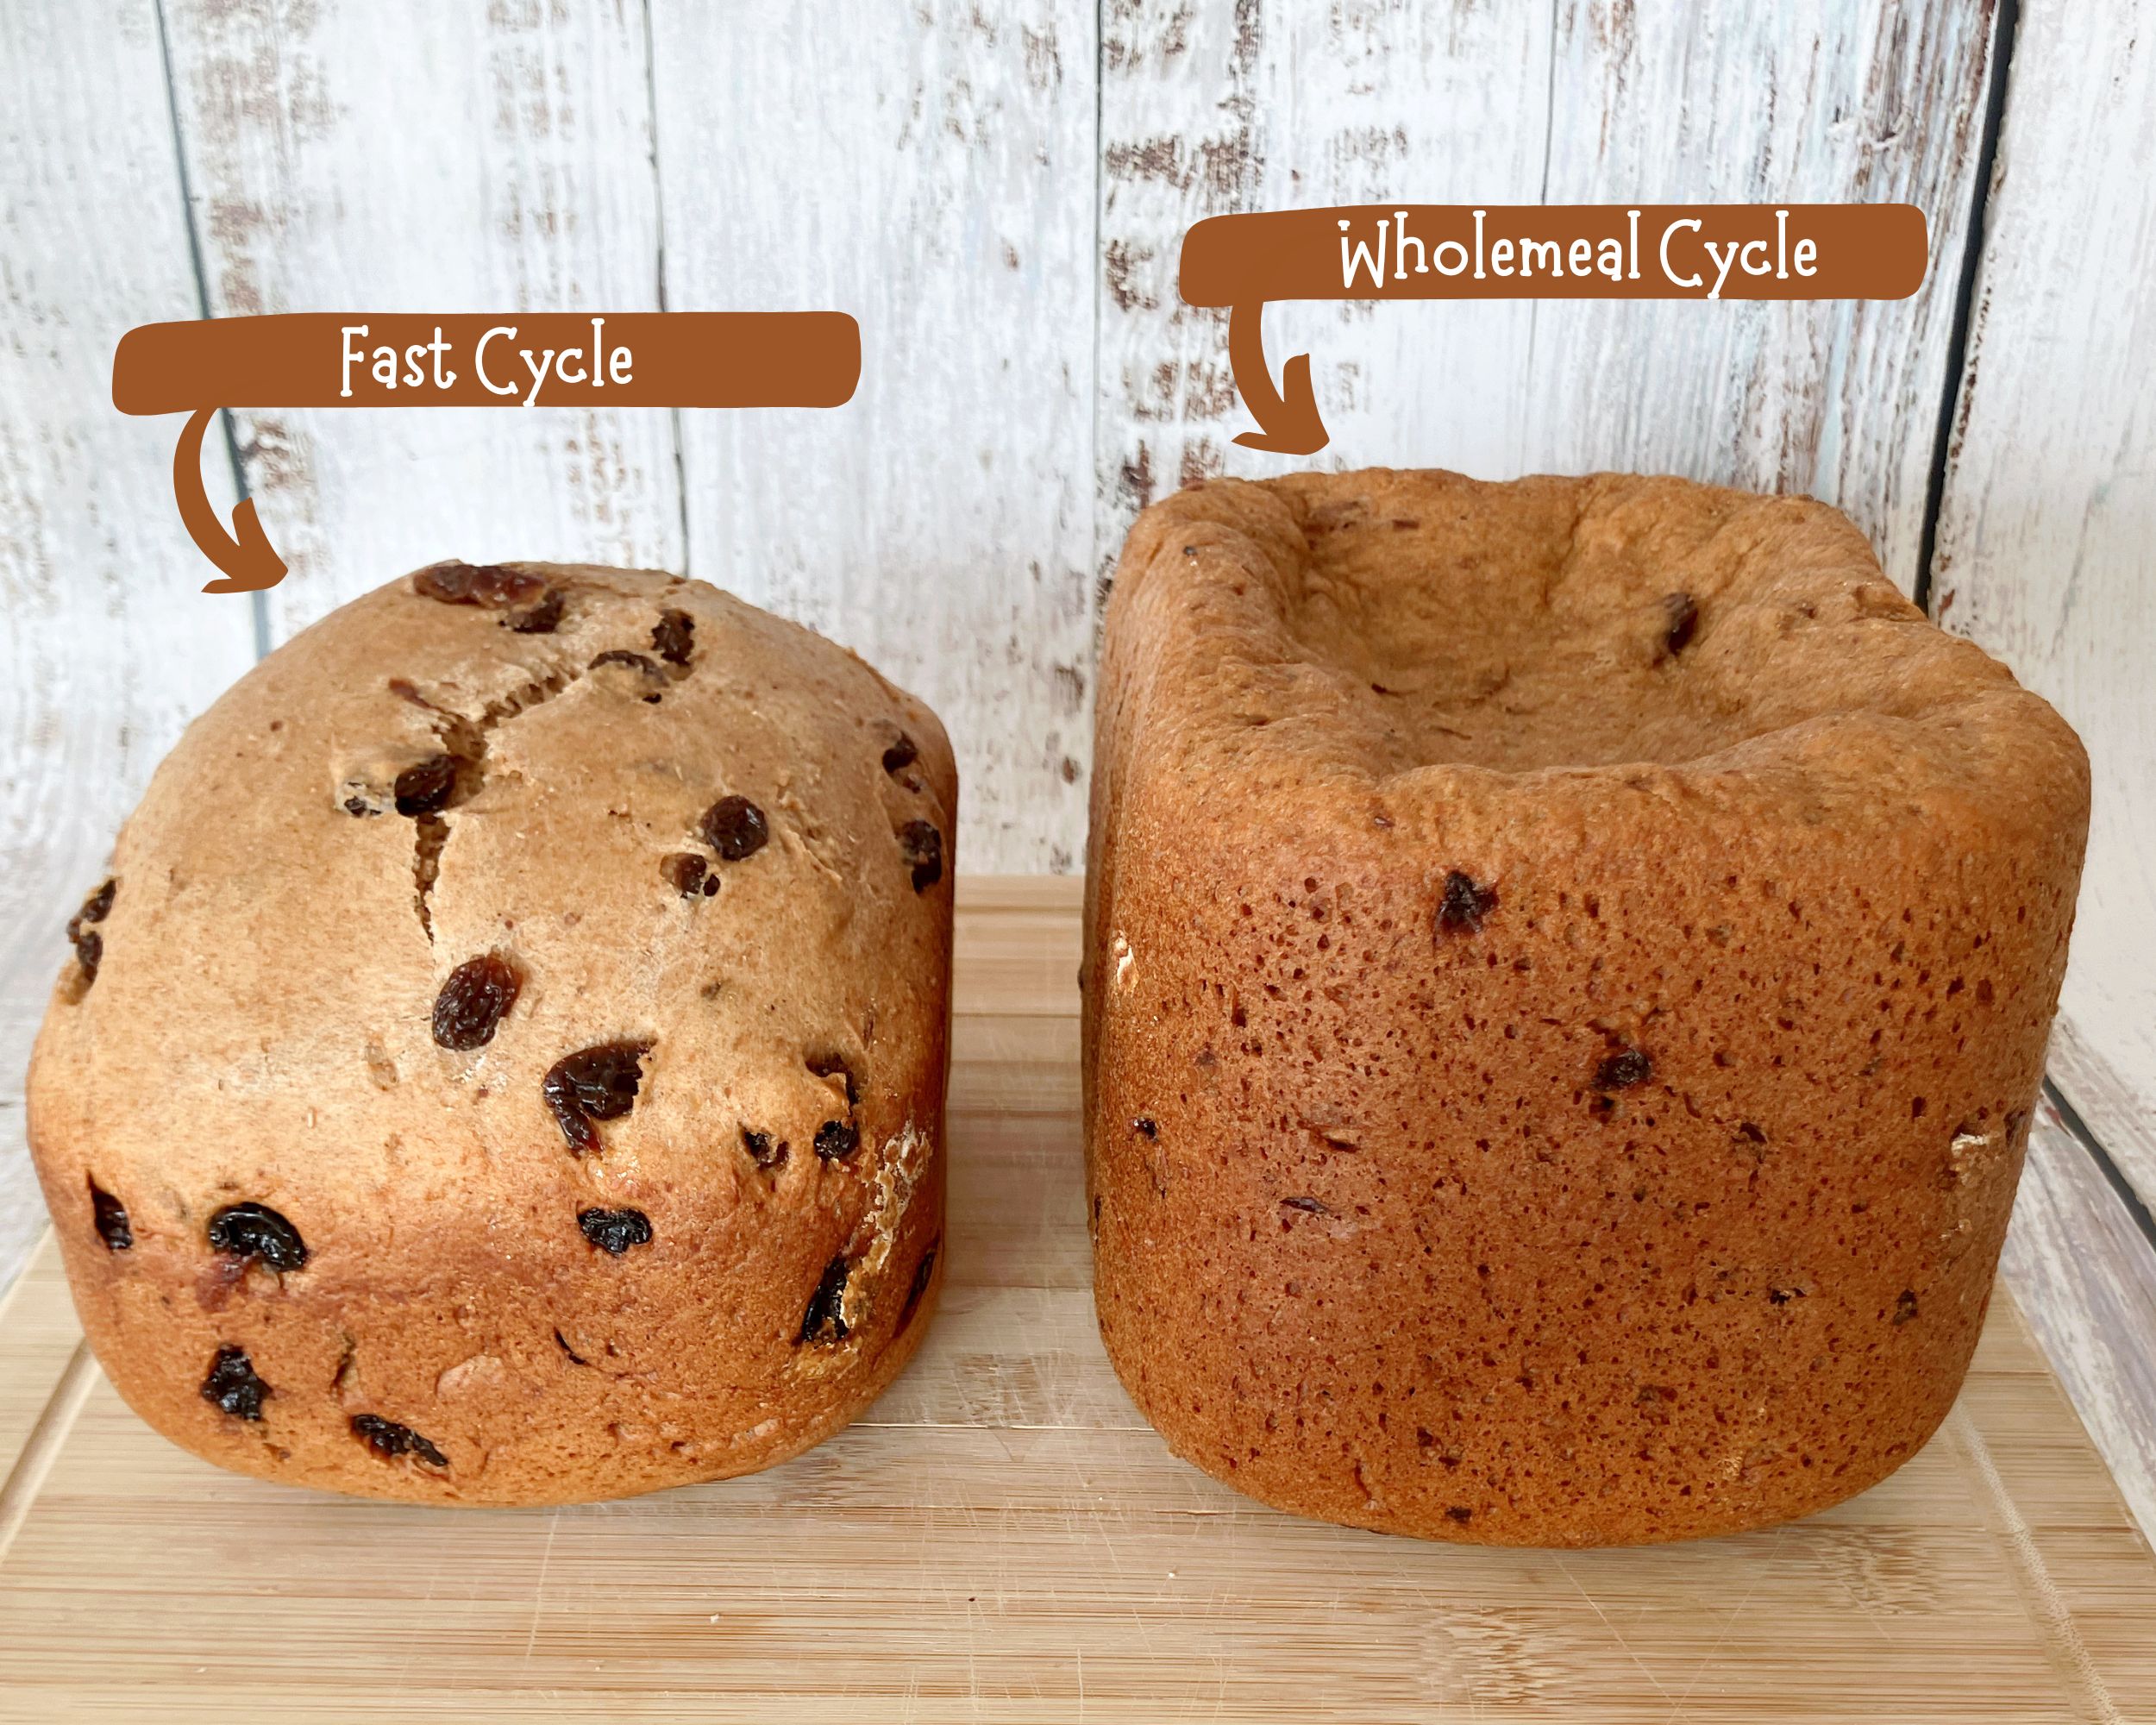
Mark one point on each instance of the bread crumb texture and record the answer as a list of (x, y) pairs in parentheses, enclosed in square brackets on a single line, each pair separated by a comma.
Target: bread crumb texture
[(505, 1063), (1568, 968)]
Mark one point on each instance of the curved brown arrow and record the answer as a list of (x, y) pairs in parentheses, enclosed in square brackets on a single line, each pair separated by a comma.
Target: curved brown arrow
[(1288, 419), (250, 563)]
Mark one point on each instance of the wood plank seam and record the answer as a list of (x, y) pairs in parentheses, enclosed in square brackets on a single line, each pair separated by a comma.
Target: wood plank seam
[(2000, 70), (2047, 1606), (27, 1478), (2078, 1129), (258, 603)]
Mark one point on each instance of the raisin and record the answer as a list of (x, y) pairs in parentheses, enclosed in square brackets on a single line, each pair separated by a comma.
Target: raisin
[(1464, 904), (1146, 1125), (684, 871), (1623, 1070), (734, 827), (836, 1140), (544, 618), (493, 585), (615, 1231), (425, 788), (1460, 1513), (89, 945), (109, 1217), (389, 1441), (761, 1150), (673, 636), (257, 1230), (1682, 622), (923, 847), (98, 905), (593, 1084), (1313, 1206), (826, 1318), (922, 1271), (476, 998), (900, 756), (233, 1386), (1905, 1306)]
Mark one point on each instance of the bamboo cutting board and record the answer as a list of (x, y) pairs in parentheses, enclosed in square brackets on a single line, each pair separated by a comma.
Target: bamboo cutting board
[(1003, 1539)]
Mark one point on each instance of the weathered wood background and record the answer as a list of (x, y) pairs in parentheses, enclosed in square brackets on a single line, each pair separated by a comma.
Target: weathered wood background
[(997, 193)]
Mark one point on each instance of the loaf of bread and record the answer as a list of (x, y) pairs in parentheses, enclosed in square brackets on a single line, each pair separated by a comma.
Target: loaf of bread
[(505, 1063), (1568, 967)]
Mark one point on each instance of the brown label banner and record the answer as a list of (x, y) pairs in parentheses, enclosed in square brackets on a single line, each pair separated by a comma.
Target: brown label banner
[(531, 359), (1557, 251), (1563, 251), (552, 358)]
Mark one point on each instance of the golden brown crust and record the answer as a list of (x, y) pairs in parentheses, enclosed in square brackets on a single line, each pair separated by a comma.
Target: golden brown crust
[(258, 1031), (1568, 967)]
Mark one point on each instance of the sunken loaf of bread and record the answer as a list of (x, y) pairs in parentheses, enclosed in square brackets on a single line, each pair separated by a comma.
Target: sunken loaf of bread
[(505, 1063), (1567, 972)]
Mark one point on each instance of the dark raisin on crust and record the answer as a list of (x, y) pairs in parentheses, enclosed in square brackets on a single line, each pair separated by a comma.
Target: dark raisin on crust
[(1461, 1512), (900, 756), (389, 1441), (1905, 1306), (673, 636), (615, 1231), (826, 1318), (734, 827), (836, 1140), (686, 873), (494, 585), (1623, 1070), (597, 1084), (1465, 903), (1680, 618), (109, 1217), (233, 1386), (1146, 1127), (474, 1001), (924, 850), (1313, 1206), (257, 1230), (89, 945), (919, 1285), (425, 788), (542, 618), (761, 1150)]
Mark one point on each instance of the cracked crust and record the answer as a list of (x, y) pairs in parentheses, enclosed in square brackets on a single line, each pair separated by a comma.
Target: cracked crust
[(1568, 967), (258, 1031)]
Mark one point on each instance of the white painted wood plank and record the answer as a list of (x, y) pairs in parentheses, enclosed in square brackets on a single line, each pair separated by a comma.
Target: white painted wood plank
[(2085, 1279), (2050, 505), (406, 155), (929, 169), (109, 647), (1267, 105)]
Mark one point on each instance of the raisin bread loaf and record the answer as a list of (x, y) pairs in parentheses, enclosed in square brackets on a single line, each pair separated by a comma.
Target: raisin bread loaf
[(1568, 968), (505, 1063)]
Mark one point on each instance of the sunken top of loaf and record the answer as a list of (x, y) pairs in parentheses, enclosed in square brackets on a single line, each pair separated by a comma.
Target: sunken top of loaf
[(1421, 633), (304, 876)]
